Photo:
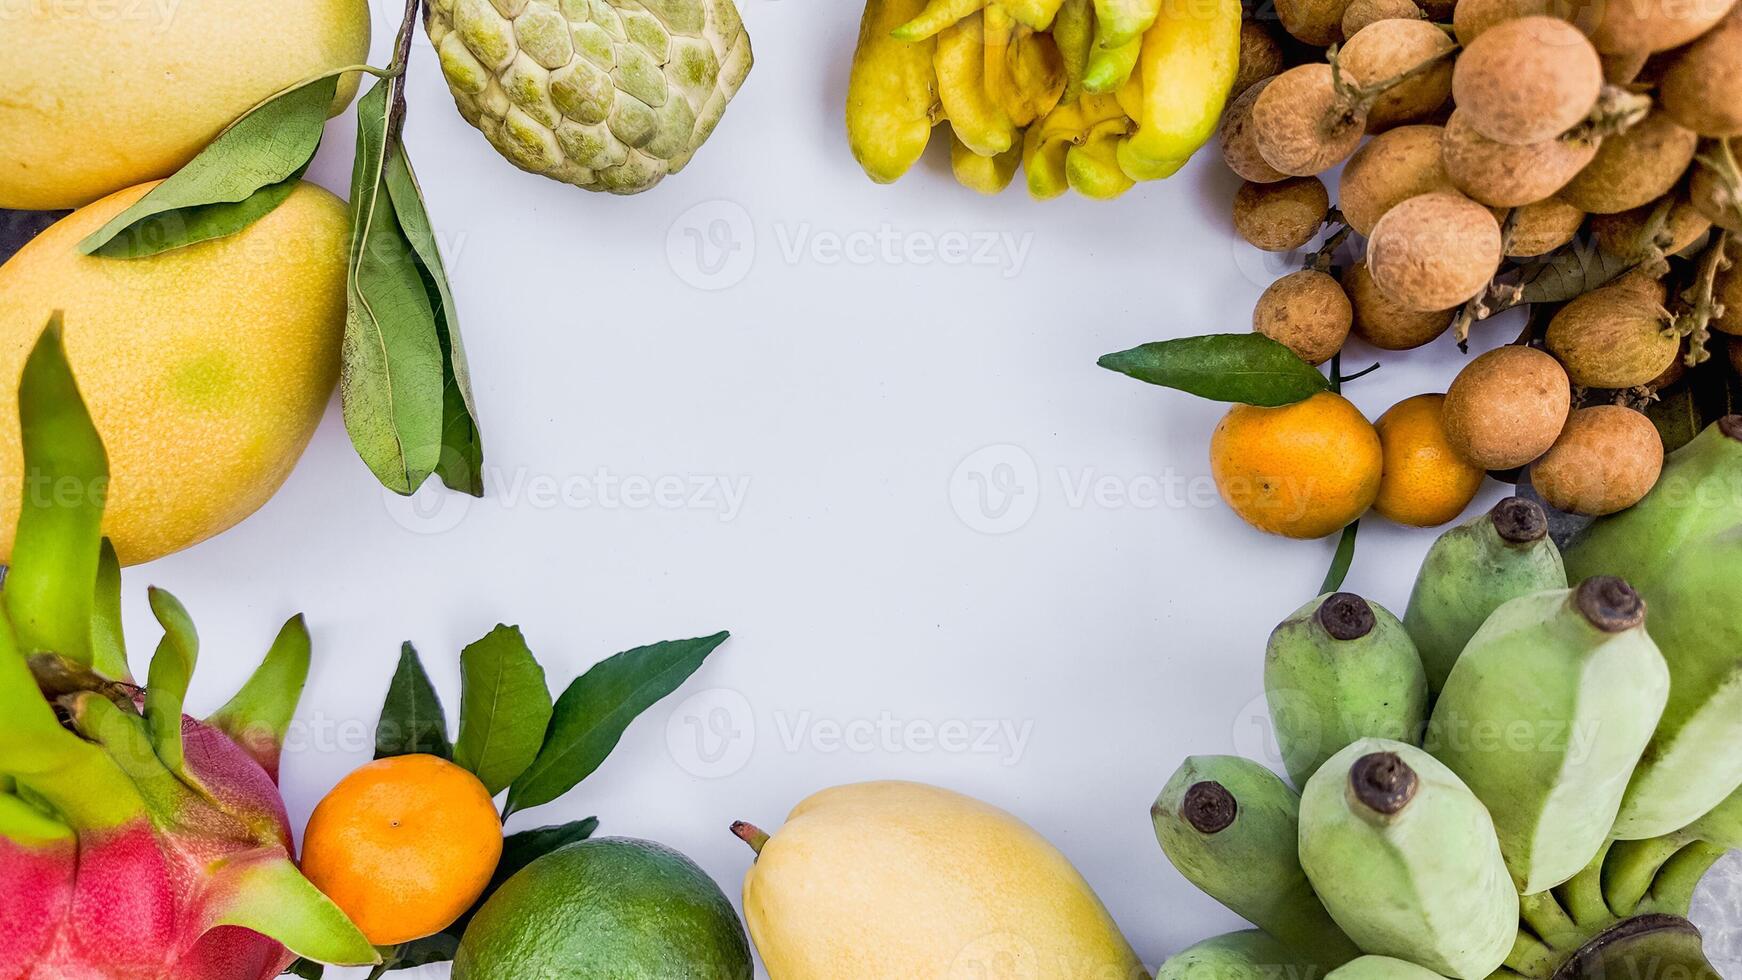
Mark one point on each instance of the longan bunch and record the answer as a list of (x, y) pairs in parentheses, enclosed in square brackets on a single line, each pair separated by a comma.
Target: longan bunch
[(1575, 158)]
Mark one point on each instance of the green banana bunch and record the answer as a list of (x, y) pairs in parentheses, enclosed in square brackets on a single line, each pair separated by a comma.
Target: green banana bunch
[(1232, 828), (1248, 955), (1406, 860), (1545, 718), (1338, 670), (1633, 865), (1381, 968), (1680, 547), (1470, 571), (1585, 929)]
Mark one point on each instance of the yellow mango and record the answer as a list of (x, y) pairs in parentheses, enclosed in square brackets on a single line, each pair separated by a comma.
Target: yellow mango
[(206, 368), (896, 879), (100, 97)]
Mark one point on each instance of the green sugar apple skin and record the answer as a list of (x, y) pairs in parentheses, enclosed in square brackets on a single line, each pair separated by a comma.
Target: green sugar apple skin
[(609, 95)]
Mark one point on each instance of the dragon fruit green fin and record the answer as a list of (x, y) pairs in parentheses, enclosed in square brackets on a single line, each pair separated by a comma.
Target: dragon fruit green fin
[(258, 717), (267, 894), (108, 646), (172, 667), (51, 584)]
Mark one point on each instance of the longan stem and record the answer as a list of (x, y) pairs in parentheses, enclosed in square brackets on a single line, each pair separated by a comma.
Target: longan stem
[(1361, 97), (1695, 324)]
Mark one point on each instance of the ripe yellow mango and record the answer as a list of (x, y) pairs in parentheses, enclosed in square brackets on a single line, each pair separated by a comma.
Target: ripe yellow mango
[(206, 368), (895, 879), (105, 94)]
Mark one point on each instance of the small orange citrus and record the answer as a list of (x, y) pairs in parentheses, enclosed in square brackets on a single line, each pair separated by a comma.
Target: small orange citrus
[(1426, 483), (404, 845), (1303, 470)]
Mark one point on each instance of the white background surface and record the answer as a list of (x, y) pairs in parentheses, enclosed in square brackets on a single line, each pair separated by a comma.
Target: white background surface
[(1103, 633)]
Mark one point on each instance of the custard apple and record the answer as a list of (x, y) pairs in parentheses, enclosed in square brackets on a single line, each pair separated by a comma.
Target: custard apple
[(607, 95)]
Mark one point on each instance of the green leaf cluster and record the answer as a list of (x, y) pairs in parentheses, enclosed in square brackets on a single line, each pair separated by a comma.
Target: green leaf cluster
[(515, 738)]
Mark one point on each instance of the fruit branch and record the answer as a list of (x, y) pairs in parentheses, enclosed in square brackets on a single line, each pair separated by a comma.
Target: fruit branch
[(1695, 324), (396, 72)]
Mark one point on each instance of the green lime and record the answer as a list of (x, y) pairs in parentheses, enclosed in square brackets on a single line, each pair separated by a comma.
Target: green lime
[(611, 907)]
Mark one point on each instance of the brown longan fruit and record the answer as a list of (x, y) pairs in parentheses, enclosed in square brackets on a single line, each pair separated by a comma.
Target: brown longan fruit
[(1260, 56), (1507, 407), (1283, 216), (1634, 167), (1606, 460), (1702, 88), (1303, 125), (1471, 17), (1387, 49), (1624, 232), (1384, 324), (1434, 251), (1307, 312), (1239, 144), (1540, 228), (1714, 199), (1614, 336), (1508, 176), (1316, 22), (1392, 167), (1635, 25), (1361, 13), (1527, 80)]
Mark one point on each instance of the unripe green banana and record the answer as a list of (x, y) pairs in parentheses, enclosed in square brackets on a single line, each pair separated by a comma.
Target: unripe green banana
[(1405, 858), (1341, 669), (1382, 968), (1693, 762), (1697, 496), (1232, 827), (1470, 571), (1248, 955), (1545, 717)]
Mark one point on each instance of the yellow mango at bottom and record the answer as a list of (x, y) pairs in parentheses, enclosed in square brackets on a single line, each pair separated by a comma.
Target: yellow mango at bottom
[(896, 879)]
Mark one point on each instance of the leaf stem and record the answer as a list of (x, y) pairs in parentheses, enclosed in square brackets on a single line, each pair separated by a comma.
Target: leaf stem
[(1341, 560)]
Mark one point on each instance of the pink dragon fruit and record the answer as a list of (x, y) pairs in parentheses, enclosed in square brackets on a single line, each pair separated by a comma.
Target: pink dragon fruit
[(135, 843)]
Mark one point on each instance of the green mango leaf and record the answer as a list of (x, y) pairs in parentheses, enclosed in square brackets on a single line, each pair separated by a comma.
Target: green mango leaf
[(412, 722), (259, 716), (392, 382), (1249, 368), (108, 644), (593, 712), (518, 851), (247, 171), (461, 464), (504, 708), (306, 969), (50, 589), (166, 686)]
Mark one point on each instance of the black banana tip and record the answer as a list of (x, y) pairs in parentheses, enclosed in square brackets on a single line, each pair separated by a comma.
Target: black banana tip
[(1610, 604), (1383, 782), (1346, 616), (1209, 807), (1519, 521)]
